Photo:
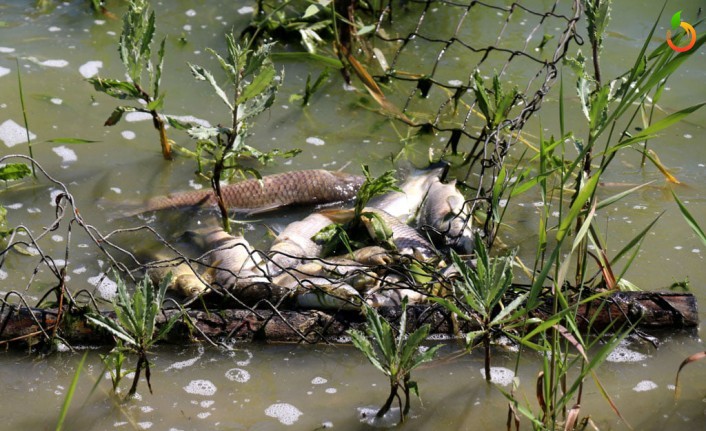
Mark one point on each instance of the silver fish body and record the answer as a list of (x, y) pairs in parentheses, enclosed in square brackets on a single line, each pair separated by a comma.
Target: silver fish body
[(232, 258), (445, 216), (406, 239), (404, 204), (295, 243)]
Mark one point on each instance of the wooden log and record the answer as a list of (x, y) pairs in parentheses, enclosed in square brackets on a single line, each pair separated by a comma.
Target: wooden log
[(648, 310)]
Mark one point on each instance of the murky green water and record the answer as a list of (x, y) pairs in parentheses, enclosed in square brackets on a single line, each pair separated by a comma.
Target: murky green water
[(258, 387)]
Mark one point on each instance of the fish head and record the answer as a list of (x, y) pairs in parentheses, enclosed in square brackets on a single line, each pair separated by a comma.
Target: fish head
[(189, 285)]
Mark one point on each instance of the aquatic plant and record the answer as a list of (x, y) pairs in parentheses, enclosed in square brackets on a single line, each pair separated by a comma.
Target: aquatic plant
[(702, 236), (481, 293), (70, 393), (255, 82), (135, 47), (395, 356), (134, 327)]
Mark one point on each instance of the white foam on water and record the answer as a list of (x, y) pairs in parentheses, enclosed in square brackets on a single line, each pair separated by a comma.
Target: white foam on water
[(3, 274), (57, 238), (116, 190), (144, 425), (206, 403), (623, 354), (146, 409), (54, 63), (246, 10), (318, 381), (12, 134), (99, 22), (331, 390), (499, 375), (245, 362), (79, 270), (14, 206), (194, 185), (183, 364), (56, 101), (200, 387), (4, 71), (644, 386), (54, 29), (367, 415), (455, 83), (237, 375), (132, 117), (67, 154), (203, 415), (286, 413), (128, 134), (687, 136), (90, 68), (107, 288), (190, 12), (6, 50), (315, 141)]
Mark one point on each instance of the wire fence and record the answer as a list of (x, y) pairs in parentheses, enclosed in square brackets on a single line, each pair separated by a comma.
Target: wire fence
[(439, 93)]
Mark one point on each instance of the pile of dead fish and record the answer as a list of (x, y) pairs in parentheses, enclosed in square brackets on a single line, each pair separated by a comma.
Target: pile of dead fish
[(426, 217)]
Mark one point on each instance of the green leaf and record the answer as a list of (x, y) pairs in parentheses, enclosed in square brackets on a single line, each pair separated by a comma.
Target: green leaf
[(259, 85), (156, 104), (690, 220), (14, 171), (117, 115), (583, 196), (70, 141), (114, 88), (612, 199), (360, 341), (307, 56), (202, 74), (157, 79), (112, 327), (70, 393), (656, 127)]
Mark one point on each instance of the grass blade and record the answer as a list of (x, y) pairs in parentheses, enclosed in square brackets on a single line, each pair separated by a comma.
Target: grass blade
[(70, 394), (690, 219)]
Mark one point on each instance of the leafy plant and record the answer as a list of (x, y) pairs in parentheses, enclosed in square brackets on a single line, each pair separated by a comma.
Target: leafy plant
[(255, 83), (481, 292), (135, 47), (134, 327), (395, 356)]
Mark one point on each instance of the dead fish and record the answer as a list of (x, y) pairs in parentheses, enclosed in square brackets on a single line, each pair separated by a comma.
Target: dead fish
[(295, 243), (406, 239), (393, 288), (404, 204), (184, 282), (232, 258), (322, 293), (443, 213), (251, 196), (371, 255)]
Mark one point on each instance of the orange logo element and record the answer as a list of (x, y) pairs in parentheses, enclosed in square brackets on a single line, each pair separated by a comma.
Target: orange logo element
[(690, 32)]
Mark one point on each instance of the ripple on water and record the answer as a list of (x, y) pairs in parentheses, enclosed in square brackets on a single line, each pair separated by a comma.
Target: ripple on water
[(237, 375), (286, 413), (200, 387)]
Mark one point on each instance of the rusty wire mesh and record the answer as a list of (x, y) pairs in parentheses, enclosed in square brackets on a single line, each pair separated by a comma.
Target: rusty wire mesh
[(436, 93)]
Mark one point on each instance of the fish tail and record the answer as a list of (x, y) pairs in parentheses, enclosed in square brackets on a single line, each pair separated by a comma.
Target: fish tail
[(337, 215)]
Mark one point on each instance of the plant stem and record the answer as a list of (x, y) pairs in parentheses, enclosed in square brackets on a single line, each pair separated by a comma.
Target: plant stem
[(386, 407), (24, 116)]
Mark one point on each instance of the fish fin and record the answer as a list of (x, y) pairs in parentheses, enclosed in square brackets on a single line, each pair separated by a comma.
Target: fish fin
[(259, 210), (338, 215)]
